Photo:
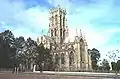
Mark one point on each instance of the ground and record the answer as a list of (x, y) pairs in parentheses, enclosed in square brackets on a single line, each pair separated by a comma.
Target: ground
[(9, 75)]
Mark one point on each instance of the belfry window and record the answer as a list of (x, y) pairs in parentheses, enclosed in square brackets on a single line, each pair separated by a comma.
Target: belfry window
[(63, 21), (55, 19), (55, 32), (52, 19), (51, 32), (60, 21)]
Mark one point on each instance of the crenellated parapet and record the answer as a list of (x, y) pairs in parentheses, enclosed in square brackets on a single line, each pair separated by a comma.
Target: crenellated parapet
[(57, 9)]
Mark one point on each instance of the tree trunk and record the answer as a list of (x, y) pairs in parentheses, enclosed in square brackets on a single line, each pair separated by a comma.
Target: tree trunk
[(40, 67), (116, 75)]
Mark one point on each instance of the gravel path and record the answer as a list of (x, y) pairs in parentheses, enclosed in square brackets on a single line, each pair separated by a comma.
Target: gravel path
[(39, 76)]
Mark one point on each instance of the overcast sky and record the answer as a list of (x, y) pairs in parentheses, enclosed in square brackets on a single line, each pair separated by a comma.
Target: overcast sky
[(98, 19)]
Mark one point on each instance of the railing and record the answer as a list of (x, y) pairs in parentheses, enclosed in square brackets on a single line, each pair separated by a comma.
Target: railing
[(6, 69)]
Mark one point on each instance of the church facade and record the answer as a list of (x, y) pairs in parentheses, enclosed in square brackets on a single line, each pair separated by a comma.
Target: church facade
[(67, 55)]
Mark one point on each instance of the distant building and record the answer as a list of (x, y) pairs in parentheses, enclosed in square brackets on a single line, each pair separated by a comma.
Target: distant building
[(68, 55)]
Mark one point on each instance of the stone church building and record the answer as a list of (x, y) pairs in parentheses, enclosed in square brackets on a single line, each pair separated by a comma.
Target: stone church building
[(67, 55)]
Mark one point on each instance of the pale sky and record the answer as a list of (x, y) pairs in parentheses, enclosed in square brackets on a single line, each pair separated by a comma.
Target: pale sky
[(98, 19)]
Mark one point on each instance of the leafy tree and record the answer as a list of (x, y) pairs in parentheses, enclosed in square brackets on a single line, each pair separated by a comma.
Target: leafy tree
[(105, 65), (48, 64), (20, 46), (15, 51), (40, 57), (30, 52), (113, 65), (7, 49), (100, 68), (118, 66), (95, 55), (43, 56), (113, 55)]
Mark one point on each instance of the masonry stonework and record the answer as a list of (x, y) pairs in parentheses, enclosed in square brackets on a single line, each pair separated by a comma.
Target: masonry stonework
[(67, 55)]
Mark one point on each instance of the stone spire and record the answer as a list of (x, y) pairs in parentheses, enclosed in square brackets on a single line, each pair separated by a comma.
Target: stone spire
[(84, 37), (80, 33), (58, 6), (38, 41), (76, 32)]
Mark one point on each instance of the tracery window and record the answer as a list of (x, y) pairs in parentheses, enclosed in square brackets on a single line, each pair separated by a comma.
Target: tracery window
[(56, 59), (71, 58), (60, 32), (55, 32), (62, 58), (63, 33)]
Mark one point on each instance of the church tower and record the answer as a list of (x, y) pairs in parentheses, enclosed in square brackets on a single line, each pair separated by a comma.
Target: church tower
[(58, 28)]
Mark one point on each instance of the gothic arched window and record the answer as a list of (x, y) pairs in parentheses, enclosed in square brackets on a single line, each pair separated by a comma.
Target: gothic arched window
[(71, 58), (63, 33), (62, 58), (55, 32), (56, 59), (60, 32)]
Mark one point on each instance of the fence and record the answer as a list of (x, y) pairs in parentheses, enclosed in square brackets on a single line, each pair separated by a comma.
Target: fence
[(6, 69)]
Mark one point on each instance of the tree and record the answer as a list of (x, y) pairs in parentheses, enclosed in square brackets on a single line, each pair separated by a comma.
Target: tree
[(29, 53), (20, 46), (16, 51), (118, 66), (48, 63), (105, 65), (40, 57), (43, 56), (113, 55), (7, 49), (100, 68), (95, 55), (113, 65)]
